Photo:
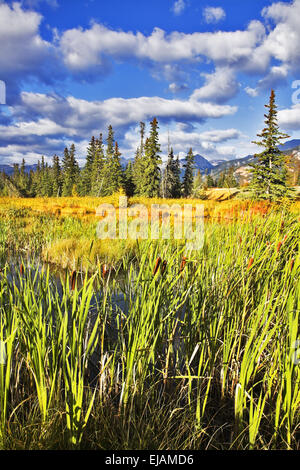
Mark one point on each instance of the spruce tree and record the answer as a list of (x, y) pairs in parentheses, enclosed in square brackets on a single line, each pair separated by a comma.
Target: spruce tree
[(56, 177), (142, 134), (197, 184), (97, 168), (170, 178), (129, 180), (87, 172), (108, 181), (269, 174), (118, 178), (188, 178), (70, 172), (151, 164), (177, 174)]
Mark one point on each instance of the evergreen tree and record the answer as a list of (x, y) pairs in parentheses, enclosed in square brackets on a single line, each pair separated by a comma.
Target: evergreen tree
[(129, 180), (137, 170), (170, 178), (97, 168), (110, 142), (231, 181), (70, 172), (151, 164), (142, 134), (269, 174), (110, 181), (188, 178), (177, 183), (118, 178), (197, 184), (56, 177), (87, 172)]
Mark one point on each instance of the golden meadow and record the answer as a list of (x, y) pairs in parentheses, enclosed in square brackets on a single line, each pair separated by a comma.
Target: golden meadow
[(123, 344)]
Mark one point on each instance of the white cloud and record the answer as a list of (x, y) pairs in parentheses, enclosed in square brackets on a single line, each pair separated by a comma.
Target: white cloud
[(214, 14), (177, 88), (219, 86), (178, 7), (44, 120), (23, 52), (290, 118), (205, 143), (282, 41), (78, 113), (253, 92), (83, 49)]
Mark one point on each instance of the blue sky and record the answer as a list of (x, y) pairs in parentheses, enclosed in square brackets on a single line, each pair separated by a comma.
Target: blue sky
[(203, 68)]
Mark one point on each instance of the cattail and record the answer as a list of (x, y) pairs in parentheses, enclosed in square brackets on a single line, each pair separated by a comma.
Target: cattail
[(105, 270), (282, 226), (279, 246), (73, 280), (183, 263), (157, 264), (285, 237), (251, 261), (255, 231), (292, 264), (22, 270), (163, 267)]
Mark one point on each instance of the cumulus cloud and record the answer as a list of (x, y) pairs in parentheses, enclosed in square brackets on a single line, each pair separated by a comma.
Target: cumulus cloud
[(290, 118), (82, 49), (219, 86), (177, 88), (81, 113), (281, 42), (214, 14), (253, 92), (23, 52), (178, 7), (205, 143)]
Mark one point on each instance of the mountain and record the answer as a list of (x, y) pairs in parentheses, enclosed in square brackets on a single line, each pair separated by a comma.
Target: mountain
[(9, 169), (217, 162), (241, 165), (290, 145), (202, 164)]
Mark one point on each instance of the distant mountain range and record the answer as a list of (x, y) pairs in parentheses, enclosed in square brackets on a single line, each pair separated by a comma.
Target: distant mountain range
[(214, 167)]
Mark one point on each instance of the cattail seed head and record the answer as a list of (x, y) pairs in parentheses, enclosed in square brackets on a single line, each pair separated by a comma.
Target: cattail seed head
[(22, 269), (105, 270), (279, 246), (157, 264), (73, 280), (163, 266), (251, 261), (292, 264), (183, 263)]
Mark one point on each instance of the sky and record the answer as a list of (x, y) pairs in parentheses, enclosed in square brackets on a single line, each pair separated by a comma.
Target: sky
[(204, 69)]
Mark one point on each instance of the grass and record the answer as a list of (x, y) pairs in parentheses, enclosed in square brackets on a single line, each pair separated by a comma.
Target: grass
[(200, 355)]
